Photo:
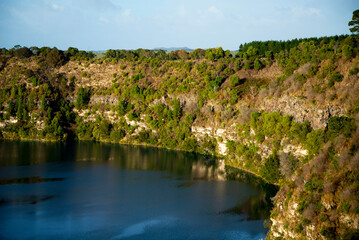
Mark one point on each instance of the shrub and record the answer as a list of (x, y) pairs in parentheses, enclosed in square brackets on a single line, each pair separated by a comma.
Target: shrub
[(301, 78), (23, 52), (143, 136), (190, 144), (231, 147), (55, 58), (123, 107), (247, 65), (209, 145), (260, 137), (270, 168), (117, 134), (328, 232), (334, 77), (315, 184), (234, 81), (133, 116), (257, 64), (348, 51), (313, 70), (314, 141), (353, 71), (83, 97), (340, 125)]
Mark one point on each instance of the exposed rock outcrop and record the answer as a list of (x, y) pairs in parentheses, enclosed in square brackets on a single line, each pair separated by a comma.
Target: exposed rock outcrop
[(301, 111)]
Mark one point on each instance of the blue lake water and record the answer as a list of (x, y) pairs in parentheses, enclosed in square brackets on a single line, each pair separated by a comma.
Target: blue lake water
[(109, 191)]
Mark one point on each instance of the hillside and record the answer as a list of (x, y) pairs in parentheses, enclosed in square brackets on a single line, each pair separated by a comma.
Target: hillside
[(285, 111)]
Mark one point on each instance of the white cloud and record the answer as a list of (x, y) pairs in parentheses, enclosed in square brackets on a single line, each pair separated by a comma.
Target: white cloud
[(103, 19), (302, 12), (215, 11), (57, 7), (182, 11), (126, 13), (126, 17)]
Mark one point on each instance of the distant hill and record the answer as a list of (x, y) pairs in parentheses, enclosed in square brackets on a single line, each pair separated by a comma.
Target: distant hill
[(170, 49)]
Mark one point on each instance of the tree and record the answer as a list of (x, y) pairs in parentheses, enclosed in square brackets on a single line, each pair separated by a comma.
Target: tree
[(23, 52), (11, 108), (354, 22), (122, 107), (19, 108), (270, 169), (55, 58), (72, 51), (177, 110), (234, 81), (83, 97), (43, 102), (257, 64)]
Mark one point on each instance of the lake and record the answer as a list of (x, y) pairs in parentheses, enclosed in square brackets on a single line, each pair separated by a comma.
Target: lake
[(92, 190)]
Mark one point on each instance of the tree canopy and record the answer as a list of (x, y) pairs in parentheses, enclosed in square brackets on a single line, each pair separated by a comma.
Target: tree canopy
[(354, 22)]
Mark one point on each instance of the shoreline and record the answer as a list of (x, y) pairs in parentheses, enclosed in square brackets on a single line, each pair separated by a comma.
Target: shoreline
[(219, 157)]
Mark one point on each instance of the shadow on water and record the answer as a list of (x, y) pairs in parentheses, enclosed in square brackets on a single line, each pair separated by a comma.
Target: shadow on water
[(29, 180), (254, 207), (31, 199)]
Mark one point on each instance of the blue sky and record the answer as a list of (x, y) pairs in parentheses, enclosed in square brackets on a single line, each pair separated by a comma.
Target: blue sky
[(132, 24)]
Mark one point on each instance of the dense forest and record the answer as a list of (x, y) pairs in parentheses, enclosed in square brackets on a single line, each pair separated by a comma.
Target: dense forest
[(180, 100)]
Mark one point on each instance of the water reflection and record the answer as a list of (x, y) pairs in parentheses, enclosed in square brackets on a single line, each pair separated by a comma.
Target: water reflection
[(109, 191), (254, 207), (198, 167)]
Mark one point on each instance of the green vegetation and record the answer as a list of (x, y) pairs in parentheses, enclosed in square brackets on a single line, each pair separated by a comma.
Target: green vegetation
[(178, 99), (354, 23)]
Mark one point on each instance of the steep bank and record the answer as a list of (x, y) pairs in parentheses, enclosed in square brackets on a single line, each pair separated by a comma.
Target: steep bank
[(290, 118)]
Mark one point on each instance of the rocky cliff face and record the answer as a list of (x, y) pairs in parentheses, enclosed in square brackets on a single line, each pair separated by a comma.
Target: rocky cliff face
[(301, 110)]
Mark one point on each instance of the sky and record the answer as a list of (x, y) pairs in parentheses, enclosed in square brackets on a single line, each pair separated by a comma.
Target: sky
[(133, 24)]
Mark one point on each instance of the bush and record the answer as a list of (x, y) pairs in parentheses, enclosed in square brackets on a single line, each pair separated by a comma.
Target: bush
[(133, 116), (270, 168), (301, 78), (190, 144), (334, 77), (123, 107), (83, 97), (315, 184), (143, 136), (260, 137), (257, 64), (23, 52), (348, 51), (328, 232), (234, 81), (117, 134), (247, 65), (314, 141), (209, 145), (55, 58), (313, 70), (340, 125), (299, 131), (231, 147), (353, 71), (35, 82)]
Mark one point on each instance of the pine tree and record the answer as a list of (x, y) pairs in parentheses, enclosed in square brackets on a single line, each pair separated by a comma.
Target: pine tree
[(354, 22)]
